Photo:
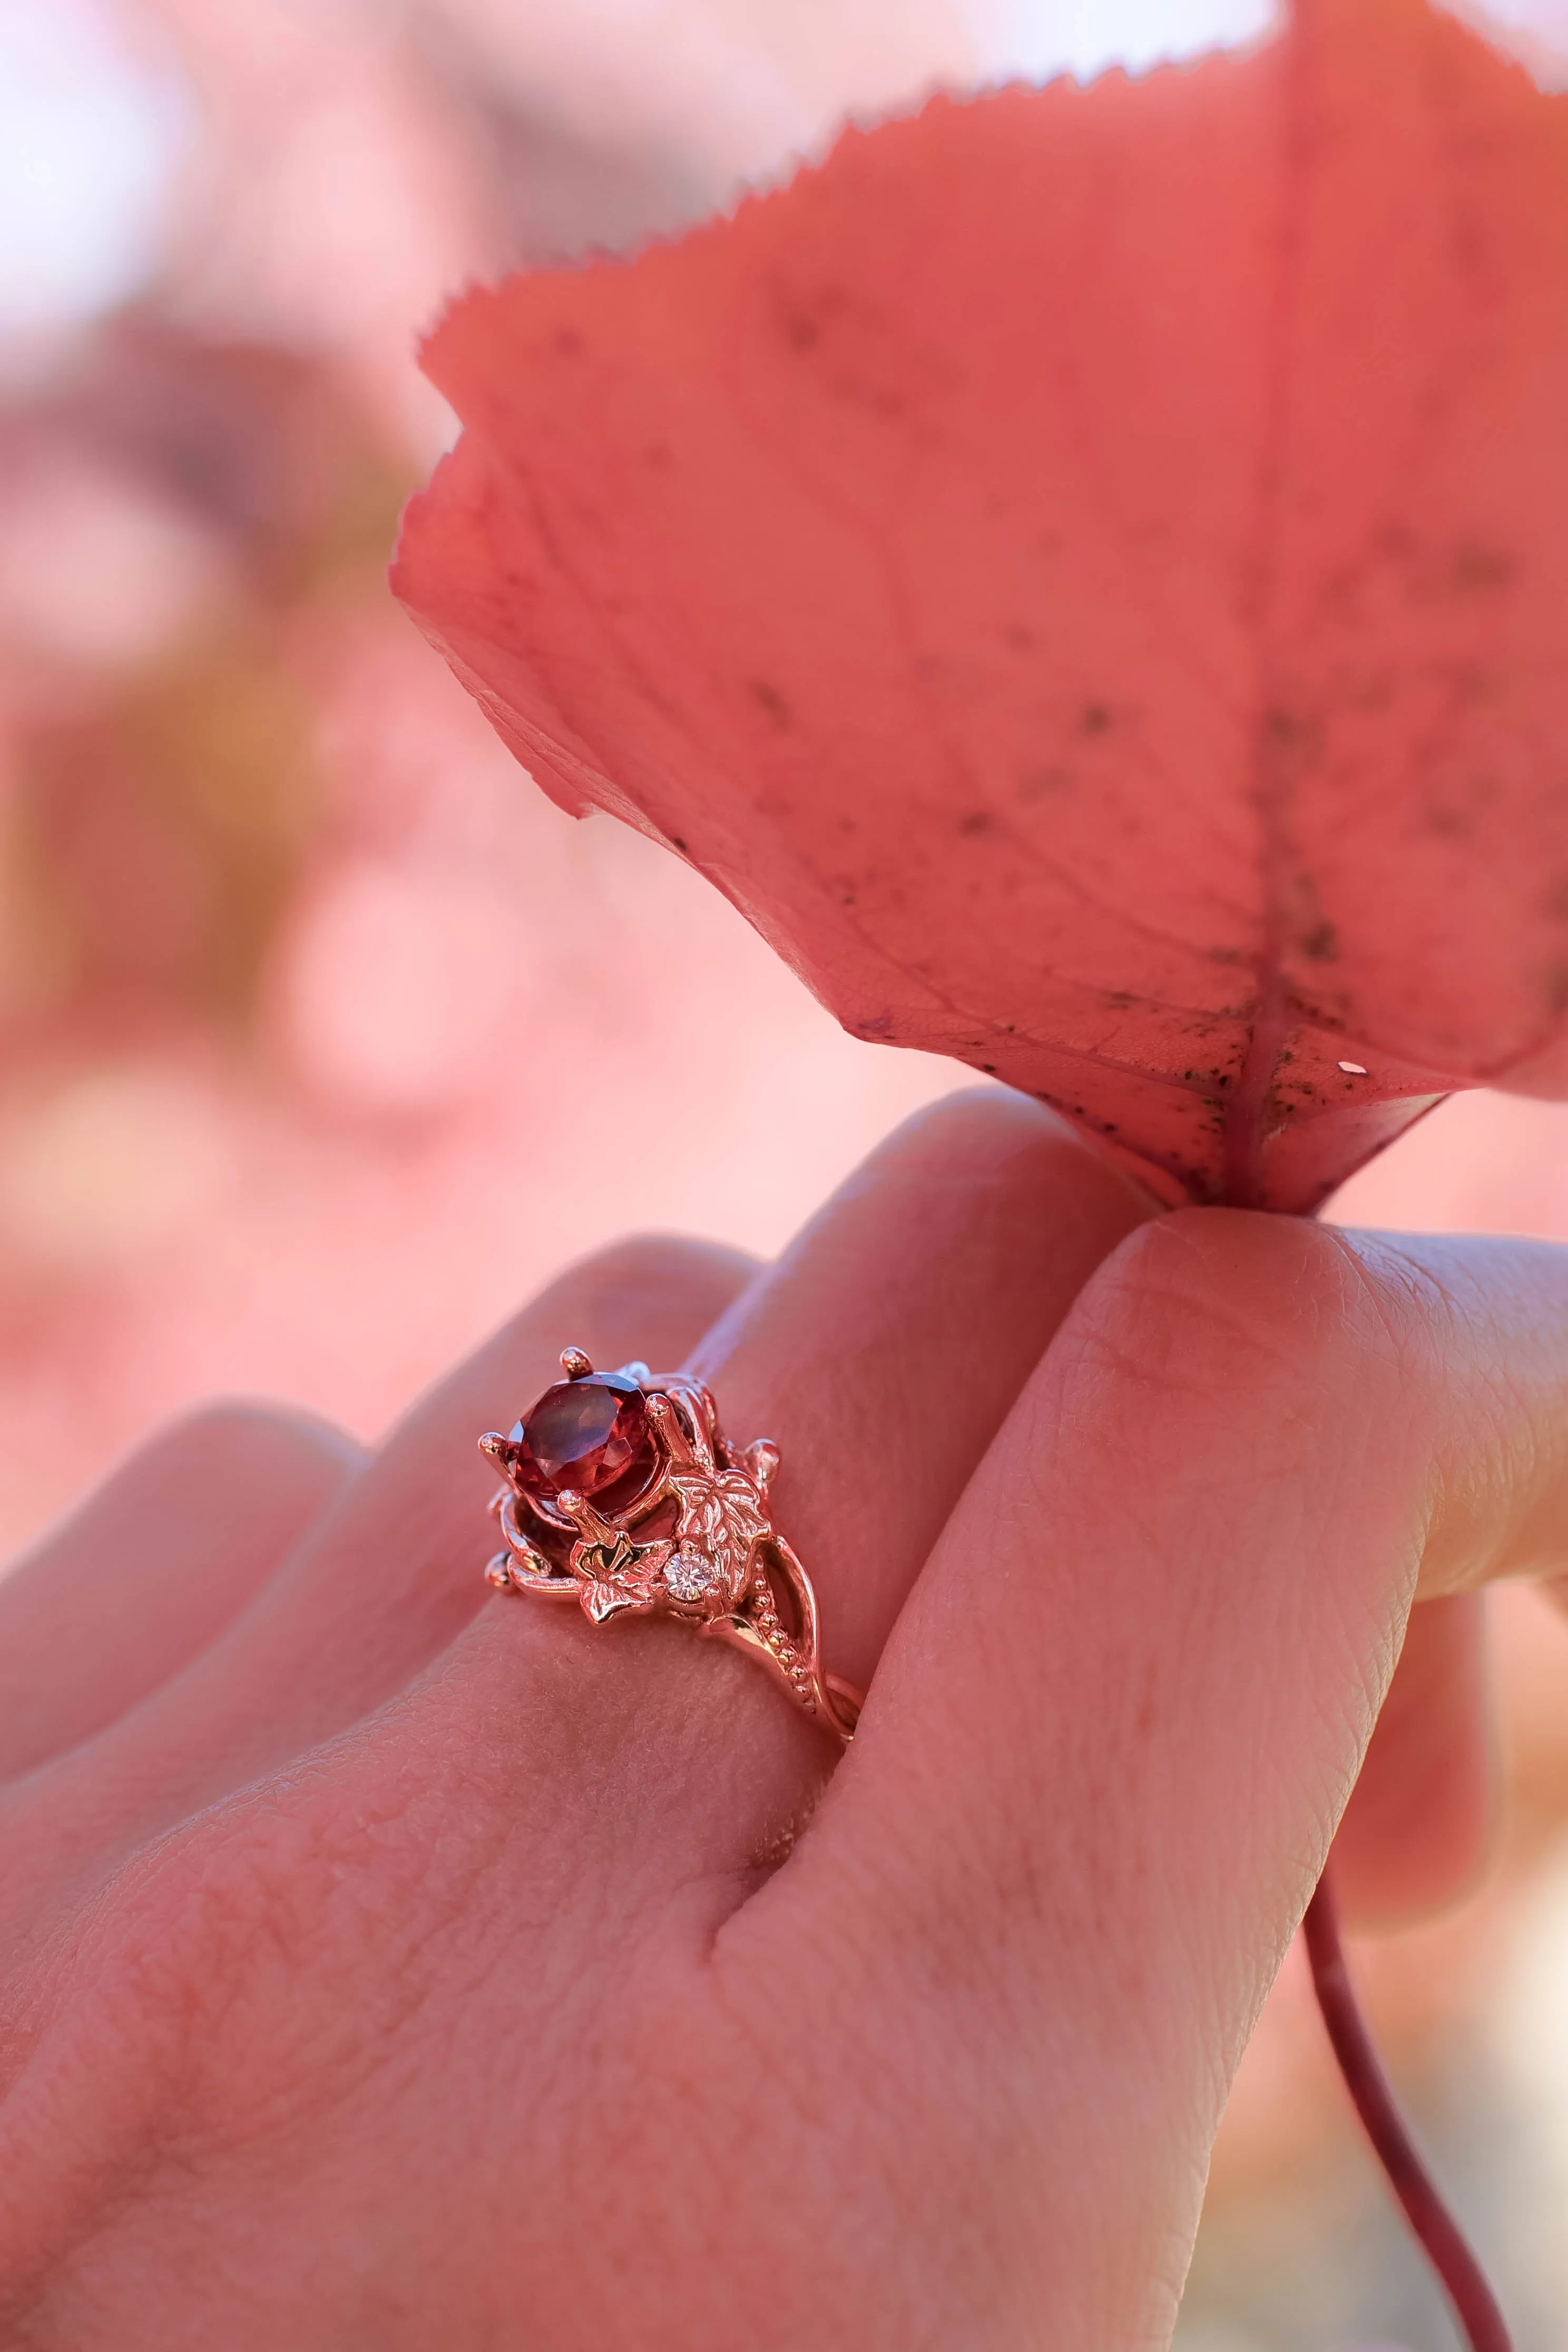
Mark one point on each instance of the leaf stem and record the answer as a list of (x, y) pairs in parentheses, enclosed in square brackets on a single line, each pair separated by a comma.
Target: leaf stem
[(1481, 2322)]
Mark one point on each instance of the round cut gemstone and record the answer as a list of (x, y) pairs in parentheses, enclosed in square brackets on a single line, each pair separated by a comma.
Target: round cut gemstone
[(688, 1575), (583, 1433)]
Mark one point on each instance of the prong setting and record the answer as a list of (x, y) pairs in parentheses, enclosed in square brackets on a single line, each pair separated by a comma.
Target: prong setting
[(762, 1459)]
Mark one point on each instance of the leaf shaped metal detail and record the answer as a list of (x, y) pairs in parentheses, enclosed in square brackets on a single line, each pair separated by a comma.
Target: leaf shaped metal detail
[(621, 1578), (722, 1513)]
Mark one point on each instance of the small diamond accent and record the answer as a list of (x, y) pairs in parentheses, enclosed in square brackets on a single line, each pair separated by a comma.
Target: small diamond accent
[(689, 1576)]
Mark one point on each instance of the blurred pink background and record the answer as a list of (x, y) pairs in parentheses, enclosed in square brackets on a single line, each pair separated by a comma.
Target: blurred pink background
[(311, 1005)]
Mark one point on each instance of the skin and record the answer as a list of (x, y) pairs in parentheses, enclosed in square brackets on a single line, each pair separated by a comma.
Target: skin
[(388, 1965)]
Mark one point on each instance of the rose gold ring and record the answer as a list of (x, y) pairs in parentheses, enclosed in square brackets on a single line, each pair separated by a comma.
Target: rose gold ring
[(623, 1494)]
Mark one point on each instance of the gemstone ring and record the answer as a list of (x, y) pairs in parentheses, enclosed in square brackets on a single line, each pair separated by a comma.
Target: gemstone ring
[(623, 1494)]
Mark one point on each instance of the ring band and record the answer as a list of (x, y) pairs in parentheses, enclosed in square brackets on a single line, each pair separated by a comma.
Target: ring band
[(623, 1494)]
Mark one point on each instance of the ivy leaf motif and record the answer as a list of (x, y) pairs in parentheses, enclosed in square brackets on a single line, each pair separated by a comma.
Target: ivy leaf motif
[(619, 1580), (723, 1514)]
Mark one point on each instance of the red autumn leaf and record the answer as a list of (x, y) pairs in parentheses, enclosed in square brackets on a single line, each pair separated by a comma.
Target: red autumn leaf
[(1086, 572)]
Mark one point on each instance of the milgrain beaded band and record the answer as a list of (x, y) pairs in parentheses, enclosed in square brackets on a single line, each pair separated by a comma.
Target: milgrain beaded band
[(622, 1493)]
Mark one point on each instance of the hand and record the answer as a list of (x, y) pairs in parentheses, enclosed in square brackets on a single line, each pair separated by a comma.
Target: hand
[(396, 1967)]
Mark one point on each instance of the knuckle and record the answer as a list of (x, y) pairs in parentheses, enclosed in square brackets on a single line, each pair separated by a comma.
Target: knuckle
[(1232, 1302), (220, 1981), (648, 1273), (986, 1115), (992, 1136), (248, 1436)]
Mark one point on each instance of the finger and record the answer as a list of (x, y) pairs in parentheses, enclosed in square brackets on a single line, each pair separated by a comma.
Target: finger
[(1422, 1814), (149, 1569), (880, 1354), (1121, 1713), (884, 1350), (376, 1588), (1484, 1323)]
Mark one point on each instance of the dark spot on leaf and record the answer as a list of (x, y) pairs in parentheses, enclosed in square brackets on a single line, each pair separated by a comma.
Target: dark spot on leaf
[(989, 1068), (1478, 567), (1118, 998), (977, 821), (1095, 719), (770, 699), (568, 342), (1293, 734), (1321, 943), (677, 843)]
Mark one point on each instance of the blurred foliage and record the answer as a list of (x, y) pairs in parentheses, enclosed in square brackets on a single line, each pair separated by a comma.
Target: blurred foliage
[(163, 835), (159, 816)]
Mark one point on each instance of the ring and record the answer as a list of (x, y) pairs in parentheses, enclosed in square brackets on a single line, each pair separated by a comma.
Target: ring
[(623, 1494)]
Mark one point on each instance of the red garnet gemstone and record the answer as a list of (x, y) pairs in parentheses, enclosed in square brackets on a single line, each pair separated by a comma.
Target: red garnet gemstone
[(585, 1433)]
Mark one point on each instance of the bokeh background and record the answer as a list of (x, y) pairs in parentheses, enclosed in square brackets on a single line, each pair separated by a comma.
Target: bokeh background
[(310, 1003)]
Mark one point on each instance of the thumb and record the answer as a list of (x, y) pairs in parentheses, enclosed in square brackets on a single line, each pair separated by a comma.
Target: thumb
[(1120, 1717)]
